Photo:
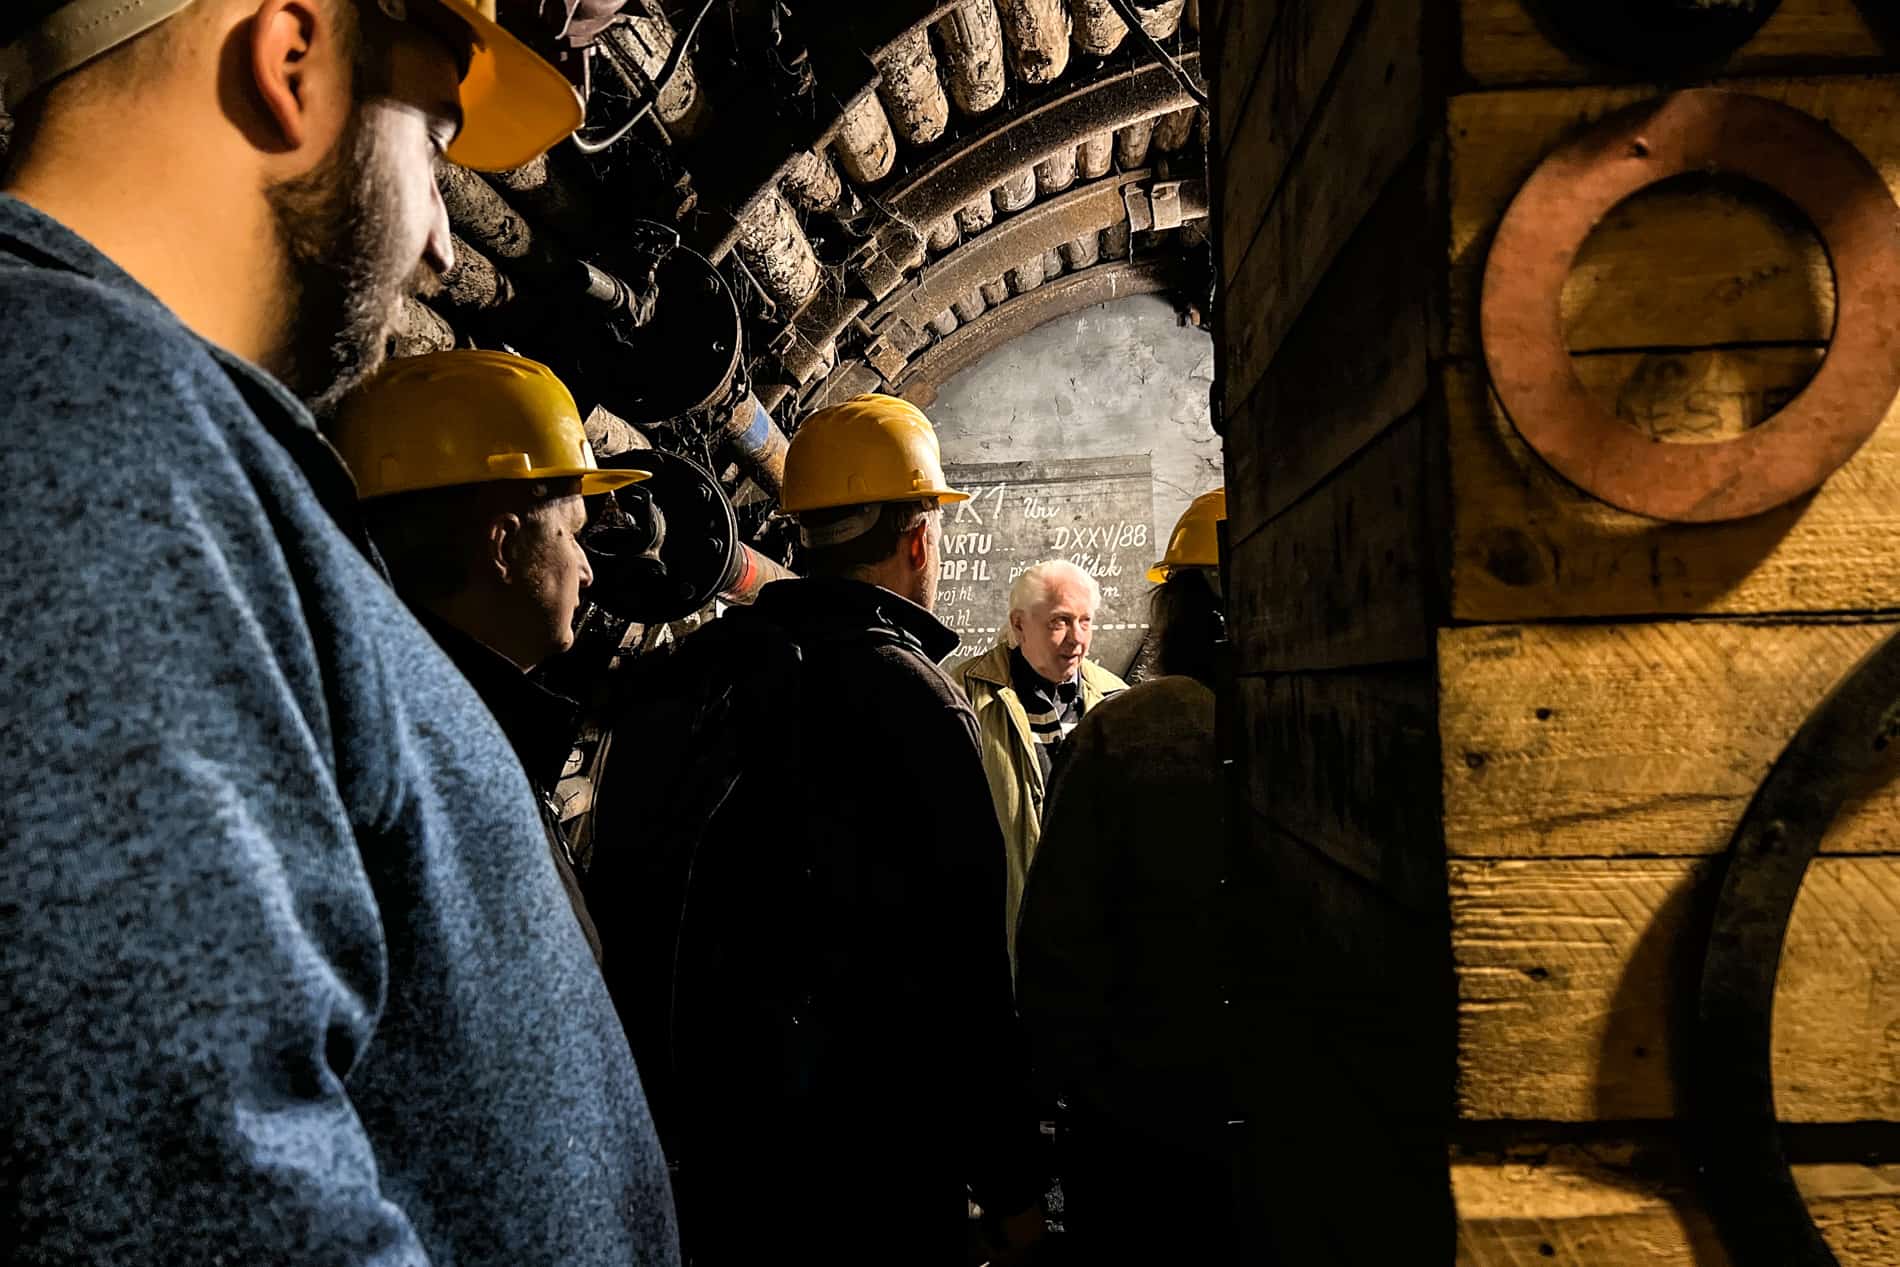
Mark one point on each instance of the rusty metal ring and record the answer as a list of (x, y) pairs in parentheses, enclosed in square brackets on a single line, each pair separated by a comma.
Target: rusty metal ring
[(1842, 747), (1698, 130)]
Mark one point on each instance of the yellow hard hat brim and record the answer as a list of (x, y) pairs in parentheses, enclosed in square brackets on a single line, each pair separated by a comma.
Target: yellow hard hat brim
[(593, 482), (515, 105), (942, 496), (1158, 574)]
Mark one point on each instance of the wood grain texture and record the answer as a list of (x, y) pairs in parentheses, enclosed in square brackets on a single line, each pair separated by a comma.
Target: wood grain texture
[(1354, 363), (1699, 260), (1360, 1001), (1370, 113), (1348, 575), (1700, 394), (1614, 740), (1605, 1205), (1728, 289), (1321, 740), (1241, 29), (1503, 45), (1527, 545), (1574, 977), (1305, 43)]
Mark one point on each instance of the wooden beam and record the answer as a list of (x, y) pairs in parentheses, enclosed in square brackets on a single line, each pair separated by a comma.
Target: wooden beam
[(1526, 545), (1574, 976), (1356, 1013), (1503, 45), (1366, 120), (1296, 60), (1617, 740), (1705, 262), (1349, 575), (1606, 1203), (1243, 28), (1352, 365), (1051, 222), (1320, 740)]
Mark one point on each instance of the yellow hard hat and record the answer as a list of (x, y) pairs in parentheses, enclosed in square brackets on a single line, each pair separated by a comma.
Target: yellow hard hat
[(869, 449), (466, 417), (1194, 543), (515, 104)]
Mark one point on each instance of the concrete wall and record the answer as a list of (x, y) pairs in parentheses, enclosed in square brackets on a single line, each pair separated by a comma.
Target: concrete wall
[(1119, 379)]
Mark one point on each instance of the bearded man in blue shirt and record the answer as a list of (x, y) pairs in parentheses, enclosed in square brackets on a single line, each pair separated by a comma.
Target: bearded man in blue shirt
[(287, 970)]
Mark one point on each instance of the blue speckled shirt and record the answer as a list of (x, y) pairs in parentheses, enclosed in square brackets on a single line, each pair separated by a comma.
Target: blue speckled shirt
[(286, 975)]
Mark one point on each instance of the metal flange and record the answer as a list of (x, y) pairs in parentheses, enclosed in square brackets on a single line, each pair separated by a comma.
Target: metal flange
[(1844, 747), (1700, 130)]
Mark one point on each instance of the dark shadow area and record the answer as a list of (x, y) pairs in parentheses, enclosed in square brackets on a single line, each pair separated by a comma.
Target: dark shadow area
[(1359, 1041), (1648, 1040), (1659, 37)]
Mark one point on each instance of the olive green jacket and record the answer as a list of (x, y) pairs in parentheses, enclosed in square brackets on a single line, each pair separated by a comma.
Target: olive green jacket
[(1009, 759)]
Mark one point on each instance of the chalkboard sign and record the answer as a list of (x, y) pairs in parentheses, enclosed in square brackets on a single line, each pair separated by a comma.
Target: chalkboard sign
[(1098, 513)]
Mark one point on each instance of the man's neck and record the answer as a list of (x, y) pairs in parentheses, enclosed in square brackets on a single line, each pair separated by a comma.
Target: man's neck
[(471, 612), (892, 575), (207, 251)]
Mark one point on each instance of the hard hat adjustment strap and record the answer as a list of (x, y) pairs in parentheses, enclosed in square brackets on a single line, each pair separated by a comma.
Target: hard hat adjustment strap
[(73, 36), (849, 528)]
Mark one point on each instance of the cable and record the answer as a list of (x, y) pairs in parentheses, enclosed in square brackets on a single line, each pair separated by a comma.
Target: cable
[(1126, 9), (672, 65)]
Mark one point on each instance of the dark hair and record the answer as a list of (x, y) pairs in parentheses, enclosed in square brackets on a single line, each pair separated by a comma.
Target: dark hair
[(869, 548), (432, 540), (1185, 615)]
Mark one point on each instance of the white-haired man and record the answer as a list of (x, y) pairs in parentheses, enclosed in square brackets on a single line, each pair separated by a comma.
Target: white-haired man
[(1030, 692)]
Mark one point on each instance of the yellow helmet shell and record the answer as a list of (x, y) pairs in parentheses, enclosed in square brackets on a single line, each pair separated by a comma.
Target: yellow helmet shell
[(466, 417), (1195, 543), (515, 104), (869, 449)]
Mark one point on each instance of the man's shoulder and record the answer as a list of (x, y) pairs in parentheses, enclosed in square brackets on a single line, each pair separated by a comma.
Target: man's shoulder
[(115, 359), (1171, 692), (1172, 705), (990, 670), (1101, 679), (54, 304)]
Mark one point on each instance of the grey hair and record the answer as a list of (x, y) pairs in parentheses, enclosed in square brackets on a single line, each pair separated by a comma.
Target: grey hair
[(1037, 580)]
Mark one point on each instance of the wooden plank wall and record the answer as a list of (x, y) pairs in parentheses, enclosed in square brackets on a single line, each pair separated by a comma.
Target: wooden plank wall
[(1491, 730), (1328, 122), (1611, 690)]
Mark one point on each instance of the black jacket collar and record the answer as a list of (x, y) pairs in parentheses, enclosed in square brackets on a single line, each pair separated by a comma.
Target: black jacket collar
[(539, 723), (825, 605)]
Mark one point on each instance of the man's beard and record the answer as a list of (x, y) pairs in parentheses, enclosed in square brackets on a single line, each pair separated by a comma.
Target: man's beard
[(348, 271)]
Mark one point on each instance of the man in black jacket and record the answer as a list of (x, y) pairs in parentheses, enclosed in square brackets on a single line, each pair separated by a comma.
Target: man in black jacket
[(472, 466), (797, 872)]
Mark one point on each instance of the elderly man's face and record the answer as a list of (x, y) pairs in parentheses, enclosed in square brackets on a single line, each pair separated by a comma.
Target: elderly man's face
[(1054, 632)]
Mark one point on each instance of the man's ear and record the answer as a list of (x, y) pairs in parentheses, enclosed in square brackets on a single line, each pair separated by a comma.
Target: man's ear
[(502, 547), (917, 541), (1016, 623), (300, 69)]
